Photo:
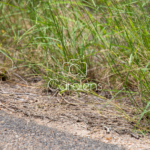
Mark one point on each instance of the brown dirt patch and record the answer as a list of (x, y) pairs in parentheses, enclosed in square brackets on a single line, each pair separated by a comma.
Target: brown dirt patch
[(83, 115)]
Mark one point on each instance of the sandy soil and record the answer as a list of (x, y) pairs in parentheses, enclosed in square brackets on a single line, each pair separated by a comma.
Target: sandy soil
[(82, 114)]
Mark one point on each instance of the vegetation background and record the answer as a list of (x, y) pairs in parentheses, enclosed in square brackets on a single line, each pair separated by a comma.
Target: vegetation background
[(111, 36)]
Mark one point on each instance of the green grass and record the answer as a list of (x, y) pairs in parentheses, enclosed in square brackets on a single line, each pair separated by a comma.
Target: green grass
[(111, 37)]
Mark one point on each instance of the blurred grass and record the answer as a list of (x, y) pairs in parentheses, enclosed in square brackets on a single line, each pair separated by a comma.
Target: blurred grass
[(111, 37)]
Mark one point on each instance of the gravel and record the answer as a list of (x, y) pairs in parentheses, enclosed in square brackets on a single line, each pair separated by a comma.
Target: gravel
[(18, 134)]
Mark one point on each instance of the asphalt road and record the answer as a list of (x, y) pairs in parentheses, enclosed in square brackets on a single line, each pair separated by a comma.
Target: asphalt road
[(17, 134)]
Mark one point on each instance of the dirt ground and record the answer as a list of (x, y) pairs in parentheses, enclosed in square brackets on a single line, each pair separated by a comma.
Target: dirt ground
[(82, 114)]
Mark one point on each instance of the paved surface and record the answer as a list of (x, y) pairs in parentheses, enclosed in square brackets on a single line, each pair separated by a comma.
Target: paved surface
[(17, 134)]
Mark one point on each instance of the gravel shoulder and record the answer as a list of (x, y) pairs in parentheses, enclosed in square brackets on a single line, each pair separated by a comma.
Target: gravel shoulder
[(18, 134), (83, 117)]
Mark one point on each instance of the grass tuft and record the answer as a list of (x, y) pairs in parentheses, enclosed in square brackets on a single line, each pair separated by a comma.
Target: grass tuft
[(104, 42)]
